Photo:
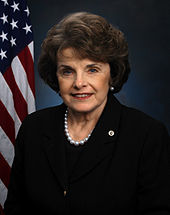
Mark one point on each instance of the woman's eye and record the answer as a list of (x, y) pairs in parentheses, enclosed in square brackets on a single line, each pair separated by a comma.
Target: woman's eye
[(93, 70), (67, 72)]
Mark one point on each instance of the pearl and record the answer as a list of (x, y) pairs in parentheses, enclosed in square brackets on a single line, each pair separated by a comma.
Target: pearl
[(72, 141), (81, 142), (69, 138), (112, 88), (76, 143)]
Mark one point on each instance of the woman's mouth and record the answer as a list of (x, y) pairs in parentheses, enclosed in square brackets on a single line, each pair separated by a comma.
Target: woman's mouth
[(81, 96)]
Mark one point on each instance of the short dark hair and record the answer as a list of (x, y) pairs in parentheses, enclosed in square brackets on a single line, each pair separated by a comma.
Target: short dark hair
[(92, 37)]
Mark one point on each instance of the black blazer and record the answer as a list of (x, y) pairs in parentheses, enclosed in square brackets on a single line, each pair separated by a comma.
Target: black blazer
[(125, 173)]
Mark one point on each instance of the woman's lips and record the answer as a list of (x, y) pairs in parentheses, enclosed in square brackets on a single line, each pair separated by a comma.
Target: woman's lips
[(81, 96)]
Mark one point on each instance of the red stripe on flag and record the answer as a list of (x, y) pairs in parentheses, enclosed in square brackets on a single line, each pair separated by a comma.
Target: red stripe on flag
[(7, 123), (4, 171), (1, 210), (28, 64), (19, 101)]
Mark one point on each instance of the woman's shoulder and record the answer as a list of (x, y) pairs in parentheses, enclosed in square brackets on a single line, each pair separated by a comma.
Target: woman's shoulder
[(45, 115), (143, 130), (141, 121), (137, 115)]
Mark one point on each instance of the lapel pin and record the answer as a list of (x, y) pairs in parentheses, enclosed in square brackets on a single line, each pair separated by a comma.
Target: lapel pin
[(111, 133)]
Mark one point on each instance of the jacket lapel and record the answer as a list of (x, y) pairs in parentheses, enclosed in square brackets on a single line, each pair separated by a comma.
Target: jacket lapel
[(54, 148), (102, 141)]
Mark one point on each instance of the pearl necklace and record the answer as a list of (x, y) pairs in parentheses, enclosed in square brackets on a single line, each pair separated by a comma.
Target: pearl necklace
[(76, 143)]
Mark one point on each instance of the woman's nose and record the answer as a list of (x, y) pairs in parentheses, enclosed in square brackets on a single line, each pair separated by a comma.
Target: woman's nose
[(80, 81)]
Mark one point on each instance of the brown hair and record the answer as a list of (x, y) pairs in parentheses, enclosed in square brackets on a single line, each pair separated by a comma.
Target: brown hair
[(92, 37)]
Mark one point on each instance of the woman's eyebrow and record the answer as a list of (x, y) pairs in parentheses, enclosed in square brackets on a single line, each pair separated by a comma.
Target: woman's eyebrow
[(64, 66), (87, 66), (92, 65)]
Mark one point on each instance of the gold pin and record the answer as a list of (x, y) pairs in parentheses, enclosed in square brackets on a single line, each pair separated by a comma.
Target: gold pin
[(111, 133)]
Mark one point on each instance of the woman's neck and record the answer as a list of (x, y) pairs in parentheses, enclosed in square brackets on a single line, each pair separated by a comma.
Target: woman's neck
[(80, 124)]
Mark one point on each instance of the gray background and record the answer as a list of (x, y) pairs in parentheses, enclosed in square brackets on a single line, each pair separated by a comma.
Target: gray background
[(146, 25)]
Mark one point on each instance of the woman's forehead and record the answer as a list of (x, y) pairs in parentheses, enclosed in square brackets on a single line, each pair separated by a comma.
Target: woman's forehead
[(72, 54)]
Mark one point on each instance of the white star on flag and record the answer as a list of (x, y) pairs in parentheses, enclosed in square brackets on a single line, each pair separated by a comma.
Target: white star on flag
[(15, 6), (27, 11), (4, 18), (27, 28), (3, 54), (17, 87), (4, 37), (5, 2), (13, 41), (14, 24)]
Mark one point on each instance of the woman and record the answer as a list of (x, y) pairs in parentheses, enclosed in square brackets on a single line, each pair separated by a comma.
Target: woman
[(90, 155)]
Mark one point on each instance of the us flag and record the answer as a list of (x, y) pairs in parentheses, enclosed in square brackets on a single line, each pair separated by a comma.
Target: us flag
[(17, 90)]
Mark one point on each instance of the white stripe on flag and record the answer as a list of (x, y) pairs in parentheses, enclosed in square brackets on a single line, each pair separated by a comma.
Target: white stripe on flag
[(7, 100), (3, 193), (22, 82), (6, 147), (31, 48)]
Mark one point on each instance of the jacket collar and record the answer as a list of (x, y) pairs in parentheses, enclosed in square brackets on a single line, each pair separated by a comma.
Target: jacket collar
[(100, 144)]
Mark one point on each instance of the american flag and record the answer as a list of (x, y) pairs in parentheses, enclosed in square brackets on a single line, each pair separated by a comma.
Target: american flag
[(17, 90)]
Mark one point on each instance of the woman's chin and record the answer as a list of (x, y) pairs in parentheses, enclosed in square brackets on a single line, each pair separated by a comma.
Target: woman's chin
[(82, 108)]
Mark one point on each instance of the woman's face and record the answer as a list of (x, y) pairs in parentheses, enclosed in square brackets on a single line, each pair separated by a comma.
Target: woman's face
[(83, 83)]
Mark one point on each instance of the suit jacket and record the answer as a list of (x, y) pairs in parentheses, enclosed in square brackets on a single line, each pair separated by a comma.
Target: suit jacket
[(123, 168)]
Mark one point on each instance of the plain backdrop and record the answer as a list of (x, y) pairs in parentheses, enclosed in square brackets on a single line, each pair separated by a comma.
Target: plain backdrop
[(146, 25)]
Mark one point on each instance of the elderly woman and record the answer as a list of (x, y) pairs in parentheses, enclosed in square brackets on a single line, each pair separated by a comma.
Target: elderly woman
[(91, 154)]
